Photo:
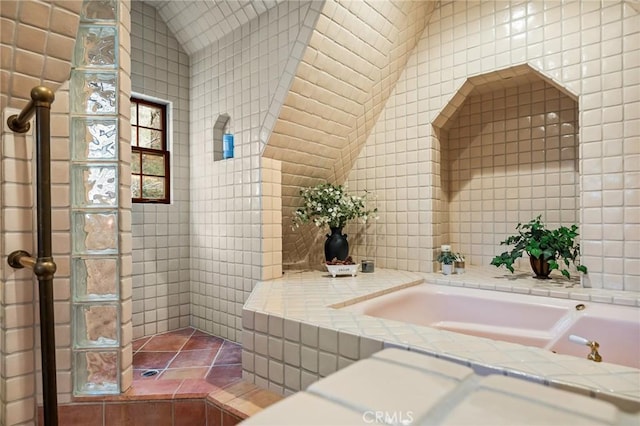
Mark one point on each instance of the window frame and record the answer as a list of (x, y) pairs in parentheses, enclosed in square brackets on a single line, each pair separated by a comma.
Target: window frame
[(164, 152)]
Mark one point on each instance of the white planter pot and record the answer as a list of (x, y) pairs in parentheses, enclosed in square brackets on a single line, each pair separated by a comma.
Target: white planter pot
[(447, 269)]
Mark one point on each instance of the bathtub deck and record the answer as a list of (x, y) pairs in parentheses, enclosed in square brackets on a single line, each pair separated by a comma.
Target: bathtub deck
[(292, 336)]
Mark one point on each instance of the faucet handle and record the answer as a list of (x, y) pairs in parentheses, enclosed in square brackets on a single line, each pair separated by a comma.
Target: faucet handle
[(594, 355)]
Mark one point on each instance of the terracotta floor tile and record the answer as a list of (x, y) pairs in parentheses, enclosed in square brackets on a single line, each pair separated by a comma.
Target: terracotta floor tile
[(230, 353), (229, 419), (253, 402), (145, 360), (166, 342), (189, 413), (197, 333), (196, 358), (187, 331), (139, 414), (184, 373), (224, 375), (80, 415), (203, 342), (137, 374), (153, 389), (223, 395), (139, 343), (195, 388), (214, 415)]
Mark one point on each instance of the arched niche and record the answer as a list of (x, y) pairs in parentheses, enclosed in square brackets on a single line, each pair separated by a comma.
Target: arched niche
[(508, 152)]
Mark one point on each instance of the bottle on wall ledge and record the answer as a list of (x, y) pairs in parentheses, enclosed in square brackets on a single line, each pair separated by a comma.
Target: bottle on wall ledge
[(227, 146)]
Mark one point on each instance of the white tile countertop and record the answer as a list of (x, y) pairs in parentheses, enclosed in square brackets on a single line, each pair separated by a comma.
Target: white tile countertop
[(310, 297), (400, 387)]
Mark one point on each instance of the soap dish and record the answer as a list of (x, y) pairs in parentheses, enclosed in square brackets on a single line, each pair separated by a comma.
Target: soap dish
[(335, 270)]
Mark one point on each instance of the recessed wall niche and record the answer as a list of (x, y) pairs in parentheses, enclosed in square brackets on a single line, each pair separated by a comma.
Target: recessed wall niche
[(509, 152)]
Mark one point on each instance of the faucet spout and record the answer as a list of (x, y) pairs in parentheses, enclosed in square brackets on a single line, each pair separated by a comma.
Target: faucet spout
[(592, 344)]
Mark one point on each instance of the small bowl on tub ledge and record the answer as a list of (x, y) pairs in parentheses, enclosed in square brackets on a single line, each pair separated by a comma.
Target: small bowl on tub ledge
[(342, 267)]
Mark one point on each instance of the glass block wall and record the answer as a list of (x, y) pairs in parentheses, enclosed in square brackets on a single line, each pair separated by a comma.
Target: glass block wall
[(94, 188)]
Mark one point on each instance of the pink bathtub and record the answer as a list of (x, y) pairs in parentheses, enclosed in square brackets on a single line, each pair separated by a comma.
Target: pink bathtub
[(529, 320)]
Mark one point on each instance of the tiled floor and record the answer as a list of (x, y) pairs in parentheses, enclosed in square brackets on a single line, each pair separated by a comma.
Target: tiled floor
[(186, 354), (198, 381)]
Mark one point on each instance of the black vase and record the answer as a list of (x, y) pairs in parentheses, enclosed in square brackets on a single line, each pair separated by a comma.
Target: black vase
[(336, 246), (540, 267)]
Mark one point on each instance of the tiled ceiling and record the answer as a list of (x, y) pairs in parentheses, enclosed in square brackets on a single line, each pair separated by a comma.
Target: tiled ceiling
[(198, 23)]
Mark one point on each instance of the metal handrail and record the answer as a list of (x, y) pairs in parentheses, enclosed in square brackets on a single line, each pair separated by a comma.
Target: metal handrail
[(43, 265)]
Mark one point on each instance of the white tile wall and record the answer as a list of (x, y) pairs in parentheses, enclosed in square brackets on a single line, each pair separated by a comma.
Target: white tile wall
[(591, 48), (238, 75), (348, 69), (508, 156), (160, 68)]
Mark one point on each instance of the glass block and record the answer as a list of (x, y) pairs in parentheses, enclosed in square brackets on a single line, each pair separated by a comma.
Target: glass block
[(95, 186), (95, 233), (98, 10), (94, 138), (96, 373), (95, 278), (96, 326), (94, 93), (95, 47)]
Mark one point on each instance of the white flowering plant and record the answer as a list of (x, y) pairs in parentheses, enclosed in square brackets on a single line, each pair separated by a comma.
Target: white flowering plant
[(327, 204)]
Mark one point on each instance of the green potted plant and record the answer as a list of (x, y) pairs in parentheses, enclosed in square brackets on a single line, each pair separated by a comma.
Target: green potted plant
[(548, 249), (446, 259), (330, 205)]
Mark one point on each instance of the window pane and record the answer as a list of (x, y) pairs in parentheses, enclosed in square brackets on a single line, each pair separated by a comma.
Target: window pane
[(150, 138), (134, 136), (134, 113), (153, 164), (135, 186), (135, 162), (152, 187), (150, 116)]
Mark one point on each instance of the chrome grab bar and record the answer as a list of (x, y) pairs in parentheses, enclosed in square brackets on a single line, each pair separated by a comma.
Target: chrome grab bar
[(43, 265)]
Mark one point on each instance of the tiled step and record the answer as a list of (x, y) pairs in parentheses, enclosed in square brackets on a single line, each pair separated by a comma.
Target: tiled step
[(223, 407)]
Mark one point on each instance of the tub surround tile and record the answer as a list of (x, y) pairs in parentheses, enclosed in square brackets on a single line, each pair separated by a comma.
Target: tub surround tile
[(408, 388), (312, 298), (358, 387), (304, 408)]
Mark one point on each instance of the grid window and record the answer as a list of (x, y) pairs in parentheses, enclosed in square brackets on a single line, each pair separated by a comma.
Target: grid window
[(149, 154)]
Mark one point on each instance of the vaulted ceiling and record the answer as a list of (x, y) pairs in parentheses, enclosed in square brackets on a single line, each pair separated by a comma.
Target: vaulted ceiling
[(198, 23)]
